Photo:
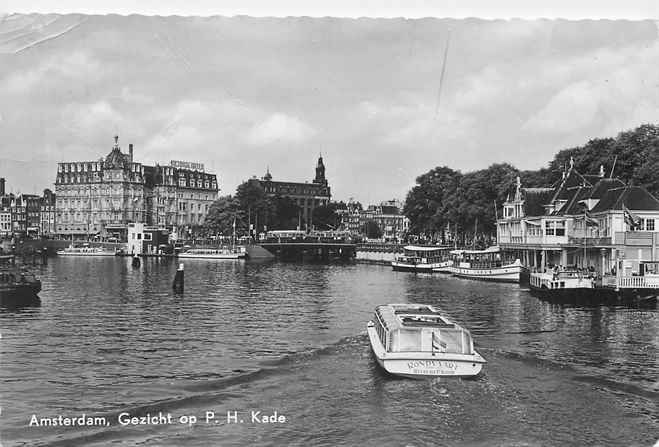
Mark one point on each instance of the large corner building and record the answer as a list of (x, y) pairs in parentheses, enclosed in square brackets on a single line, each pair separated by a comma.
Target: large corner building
[(306, 196), (102, 197)]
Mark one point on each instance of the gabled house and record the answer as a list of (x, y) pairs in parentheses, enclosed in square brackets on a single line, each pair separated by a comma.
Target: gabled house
[(583, 221)]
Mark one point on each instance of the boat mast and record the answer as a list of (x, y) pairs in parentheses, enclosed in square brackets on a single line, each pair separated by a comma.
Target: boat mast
[(496, 218), (585, 235), (475, 231)]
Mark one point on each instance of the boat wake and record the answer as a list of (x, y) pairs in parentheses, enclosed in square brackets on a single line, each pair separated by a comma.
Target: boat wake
[(209, 393), (605, 383)]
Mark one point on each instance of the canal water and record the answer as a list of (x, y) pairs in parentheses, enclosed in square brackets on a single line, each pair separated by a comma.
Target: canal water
[(289, 340)]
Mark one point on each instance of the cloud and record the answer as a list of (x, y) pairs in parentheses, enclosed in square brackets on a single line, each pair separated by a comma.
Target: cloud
[(54, 72), (279, 128), (612, 91)]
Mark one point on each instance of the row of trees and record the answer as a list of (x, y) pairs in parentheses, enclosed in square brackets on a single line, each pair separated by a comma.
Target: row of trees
[(444, 196)]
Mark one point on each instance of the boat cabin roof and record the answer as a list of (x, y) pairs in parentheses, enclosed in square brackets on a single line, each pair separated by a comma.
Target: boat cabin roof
[(404, 316), (424, 248), (489, 250)]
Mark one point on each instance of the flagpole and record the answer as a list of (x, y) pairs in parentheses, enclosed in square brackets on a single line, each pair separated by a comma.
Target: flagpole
[(234, 233), (585, 229)]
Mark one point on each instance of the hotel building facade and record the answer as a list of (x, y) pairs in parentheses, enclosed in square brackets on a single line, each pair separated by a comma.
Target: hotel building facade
[(102, 197)]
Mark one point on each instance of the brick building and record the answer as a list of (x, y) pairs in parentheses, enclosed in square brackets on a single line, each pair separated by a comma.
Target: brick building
[(306, 196)]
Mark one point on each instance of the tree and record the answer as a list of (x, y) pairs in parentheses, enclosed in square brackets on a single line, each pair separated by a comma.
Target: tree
[(428, 203), (443, 196), (221, 215), (284, 213), (371, 229), (326, 217)]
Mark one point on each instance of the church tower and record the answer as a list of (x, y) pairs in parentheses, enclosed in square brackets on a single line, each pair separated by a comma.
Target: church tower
[(320, 172)]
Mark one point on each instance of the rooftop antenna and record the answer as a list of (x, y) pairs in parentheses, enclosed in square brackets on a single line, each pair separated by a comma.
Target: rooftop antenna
[(614, 166), (441, 77)]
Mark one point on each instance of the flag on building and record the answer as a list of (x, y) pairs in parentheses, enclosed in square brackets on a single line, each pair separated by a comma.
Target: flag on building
[(631, 219), (438, 345), (590, 222)]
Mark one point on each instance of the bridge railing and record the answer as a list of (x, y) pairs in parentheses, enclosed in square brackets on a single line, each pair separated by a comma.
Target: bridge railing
[(382, 247)]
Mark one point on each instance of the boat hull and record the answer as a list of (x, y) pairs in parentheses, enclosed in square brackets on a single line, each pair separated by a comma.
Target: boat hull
[(68, 253), (596, 295), (20, 289), (423, 365), (216, 256), (509, 274), (418, 268)]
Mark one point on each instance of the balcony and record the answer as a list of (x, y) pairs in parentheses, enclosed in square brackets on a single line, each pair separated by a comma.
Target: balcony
[(590, 241)]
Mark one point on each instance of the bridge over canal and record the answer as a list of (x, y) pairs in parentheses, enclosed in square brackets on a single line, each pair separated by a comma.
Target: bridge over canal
[(310, 248)]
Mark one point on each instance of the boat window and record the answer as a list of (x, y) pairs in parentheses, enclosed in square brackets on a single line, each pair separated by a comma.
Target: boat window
[(454, 341), (407, 341)]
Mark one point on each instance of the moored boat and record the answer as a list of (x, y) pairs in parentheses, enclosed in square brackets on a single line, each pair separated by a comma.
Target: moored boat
[(214, 253), (416, 341), (16, 282), (488, 265), (562, 284), (85, 250), (419, 258)]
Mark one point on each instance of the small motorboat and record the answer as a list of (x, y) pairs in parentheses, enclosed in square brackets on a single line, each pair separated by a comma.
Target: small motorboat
[(416, 341), (15, 281)]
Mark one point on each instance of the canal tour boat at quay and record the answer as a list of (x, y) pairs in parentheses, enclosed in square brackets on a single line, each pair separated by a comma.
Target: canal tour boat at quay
[(419, 258), (416, 341), (563, 284), (16, 282), (485, 265), (214, 253), (640, 288)]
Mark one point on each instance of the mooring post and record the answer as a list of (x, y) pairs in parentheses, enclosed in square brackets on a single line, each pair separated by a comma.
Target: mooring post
[(178, 279)]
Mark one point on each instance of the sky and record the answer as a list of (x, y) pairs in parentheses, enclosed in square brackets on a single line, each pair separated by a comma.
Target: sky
[(244, 94)]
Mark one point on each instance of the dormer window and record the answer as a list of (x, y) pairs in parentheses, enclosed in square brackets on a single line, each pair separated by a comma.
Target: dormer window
[(559, 204)]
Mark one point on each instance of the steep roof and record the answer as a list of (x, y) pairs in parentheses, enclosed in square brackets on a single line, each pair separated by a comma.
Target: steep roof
[(573, 179), (633, 197), (573, 197), (605, 184), (535, 199)]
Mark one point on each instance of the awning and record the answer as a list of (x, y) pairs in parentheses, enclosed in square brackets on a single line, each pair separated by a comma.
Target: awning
[(534, 223)]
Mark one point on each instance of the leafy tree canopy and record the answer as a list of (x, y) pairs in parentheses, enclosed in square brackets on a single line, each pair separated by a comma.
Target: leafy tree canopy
[(444, 197)]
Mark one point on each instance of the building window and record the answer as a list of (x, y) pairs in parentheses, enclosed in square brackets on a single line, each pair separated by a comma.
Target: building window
[(560, 228), (549, 231), (649, 224)]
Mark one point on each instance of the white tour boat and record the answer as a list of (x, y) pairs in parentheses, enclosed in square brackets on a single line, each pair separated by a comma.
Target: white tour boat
[(563, 284), (485, 265), (414, 340), (85, 250), (419, 258), (214, 253)]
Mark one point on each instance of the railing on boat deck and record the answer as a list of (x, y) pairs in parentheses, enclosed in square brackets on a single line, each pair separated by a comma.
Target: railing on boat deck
[(630, 282)]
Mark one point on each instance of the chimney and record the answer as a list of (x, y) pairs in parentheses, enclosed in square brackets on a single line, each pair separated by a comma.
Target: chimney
[(130, 151), (2, 186)]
